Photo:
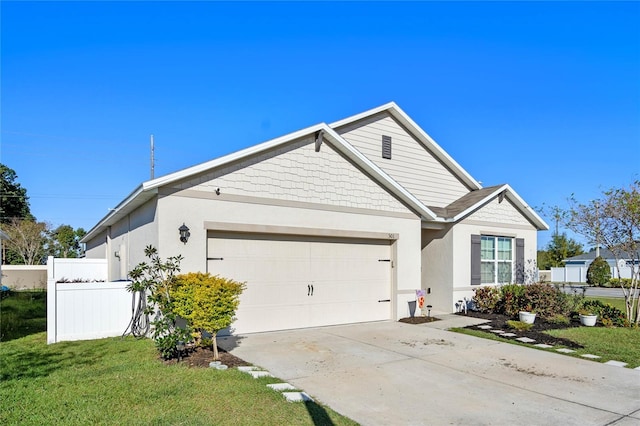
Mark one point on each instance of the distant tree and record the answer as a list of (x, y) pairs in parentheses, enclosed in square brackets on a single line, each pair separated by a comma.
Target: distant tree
[(599, 272), (26, 243), (614, 222), (559, 248), (64, 241), (14, 202)]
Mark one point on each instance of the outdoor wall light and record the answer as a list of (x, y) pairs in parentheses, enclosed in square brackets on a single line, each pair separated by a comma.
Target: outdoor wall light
[(184, 233)]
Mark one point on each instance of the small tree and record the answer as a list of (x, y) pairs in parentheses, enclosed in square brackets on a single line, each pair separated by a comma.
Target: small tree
[(154, 280), (26, 241), (614, 222), (599, 272), (208, 303)]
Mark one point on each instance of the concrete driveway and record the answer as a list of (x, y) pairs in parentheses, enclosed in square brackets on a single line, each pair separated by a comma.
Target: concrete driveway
[(390, 373)]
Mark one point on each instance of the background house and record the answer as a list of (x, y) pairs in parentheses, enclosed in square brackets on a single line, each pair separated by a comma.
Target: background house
[(575, 269), (332, 224)]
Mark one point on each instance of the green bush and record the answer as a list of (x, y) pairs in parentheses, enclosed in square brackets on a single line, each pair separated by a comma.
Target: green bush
[(511, 299), (519, 325), (487, 298), (599, 272), (609, 315), (615, 282), (208, 303), (559, 319), (545, 299)]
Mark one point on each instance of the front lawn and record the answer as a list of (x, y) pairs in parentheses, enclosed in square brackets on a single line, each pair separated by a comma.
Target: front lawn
[(620, 344), (122, 381)]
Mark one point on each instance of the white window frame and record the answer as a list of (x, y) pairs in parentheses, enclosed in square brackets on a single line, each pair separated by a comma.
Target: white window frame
[(496, 261)]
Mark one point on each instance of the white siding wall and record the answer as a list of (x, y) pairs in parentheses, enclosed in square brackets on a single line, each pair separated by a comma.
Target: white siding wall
[(411, 165), (499, 212), (453, 280), (437, 267), (195, 211), (96, 248), (129, 237), (297, 172)]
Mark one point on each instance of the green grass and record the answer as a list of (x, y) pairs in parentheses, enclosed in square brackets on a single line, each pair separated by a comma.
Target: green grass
[(23, 313), (620, 344), (121, 381), (616, 302)]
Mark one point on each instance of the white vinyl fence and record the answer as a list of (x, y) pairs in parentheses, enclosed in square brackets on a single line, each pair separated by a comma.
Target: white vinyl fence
[(578, 274), (81, 303)]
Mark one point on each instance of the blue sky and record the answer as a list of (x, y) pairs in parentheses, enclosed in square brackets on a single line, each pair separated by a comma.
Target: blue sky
[(544, 96)]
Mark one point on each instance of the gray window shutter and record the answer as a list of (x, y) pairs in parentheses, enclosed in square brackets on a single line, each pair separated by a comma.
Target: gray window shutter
[(519, 260), (386, 147), (476, 277)]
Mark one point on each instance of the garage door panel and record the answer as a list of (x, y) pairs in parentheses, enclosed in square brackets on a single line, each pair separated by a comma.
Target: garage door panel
[(347, 278)]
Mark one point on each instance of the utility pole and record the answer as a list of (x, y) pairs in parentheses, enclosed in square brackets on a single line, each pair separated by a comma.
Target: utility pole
[(152, 158), (597, 204)]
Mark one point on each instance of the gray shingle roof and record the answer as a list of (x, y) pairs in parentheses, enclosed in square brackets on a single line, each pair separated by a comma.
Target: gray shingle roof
[(463, 203), (605, 253)]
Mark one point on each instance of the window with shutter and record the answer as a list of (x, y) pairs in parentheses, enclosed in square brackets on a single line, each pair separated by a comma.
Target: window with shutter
[(492, 259)]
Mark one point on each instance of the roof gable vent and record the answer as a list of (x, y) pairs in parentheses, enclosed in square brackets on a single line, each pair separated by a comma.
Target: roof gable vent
[(386, 147)]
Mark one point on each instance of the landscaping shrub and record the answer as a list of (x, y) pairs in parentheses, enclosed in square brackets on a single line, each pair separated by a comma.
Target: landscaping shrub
[(607, 314), (208, 303), (599, 272), (615, 282), (559, 319), (154, 279), (511, 301), (486, 298), (519, 325), (545, 299)]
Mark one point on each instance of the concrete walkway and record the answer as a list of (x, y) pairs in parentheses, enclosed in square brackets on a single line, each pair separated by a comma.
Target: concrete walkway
[(390, 373)]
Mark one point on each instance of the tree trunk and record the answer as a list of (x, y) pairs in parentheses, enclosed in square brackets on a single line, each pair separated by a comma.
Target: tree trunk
[(215, 346)]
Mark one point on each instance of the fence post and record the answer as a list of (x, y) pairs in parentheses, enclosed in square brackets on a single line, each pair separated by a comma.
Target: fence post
[(51, 301)]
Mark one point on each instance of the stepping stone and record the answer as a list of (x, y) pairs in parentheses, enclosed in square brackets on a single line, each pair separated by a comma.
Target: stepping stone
[(565, 350), (509, 334), (257, 374), (485, 327), (590, 356), (525, 340), (543, 346), (281, 386), (497, 331), (296, 396), (617, 363), (247, 368)]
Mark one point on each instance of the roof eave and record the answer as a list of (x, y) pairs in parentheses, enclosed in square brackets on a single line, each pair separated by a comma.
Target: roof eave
[(531, 215)]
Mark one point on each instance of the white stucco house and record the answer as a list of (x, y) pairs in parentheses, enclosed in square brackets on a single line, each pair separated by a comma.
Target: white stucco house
[(332, 224)]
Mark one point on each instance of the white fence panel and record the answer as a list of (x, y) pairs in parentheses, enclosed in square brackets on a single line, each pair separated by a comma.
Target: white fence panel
[(576, 274), (91, 310), (558, 275), (84, 310), (77, 269)]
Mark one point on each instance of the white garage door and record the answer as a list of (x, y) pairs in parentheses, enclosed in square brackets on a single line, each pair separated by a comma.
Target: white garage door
[(303, 282)]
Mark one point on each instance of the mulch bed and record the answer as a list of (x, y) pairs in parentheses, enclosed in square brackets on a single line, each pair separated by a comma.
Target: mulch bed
[(201, 357), (418, 320), (498, 321)]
